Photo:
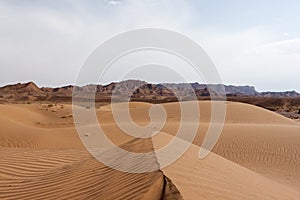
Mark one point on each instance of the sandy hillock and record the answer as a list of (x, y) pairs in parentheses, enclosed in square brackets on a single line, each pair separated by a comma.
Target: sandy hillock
[(256, 157)]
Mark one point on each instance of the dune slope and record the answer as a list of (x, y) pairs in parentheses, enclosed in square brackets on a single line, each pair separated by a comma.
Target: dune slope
[(42, 157), (217, 178)]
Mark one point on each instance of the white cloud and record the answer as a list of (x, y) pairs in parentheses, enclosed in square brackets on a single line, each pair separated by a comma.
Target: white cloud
[(48, 44), (254, 57), (111, 2), (282, 47)]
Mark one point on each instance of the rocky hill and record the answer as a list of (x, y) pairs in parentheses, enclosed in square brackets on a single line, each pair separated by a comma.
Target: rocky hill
[(286, 103), (131, 88), (279, 94)]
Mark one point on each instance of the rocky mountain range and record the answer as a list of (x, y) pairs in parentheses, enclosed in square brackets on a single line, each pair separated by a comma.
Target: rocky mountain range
[(134, 88)]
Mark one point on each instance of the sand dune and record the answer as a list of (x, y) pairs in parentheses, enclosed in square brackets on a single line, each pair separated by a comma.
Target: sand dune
[(54, 174), (253, 137), (217, 178), (257, 156)]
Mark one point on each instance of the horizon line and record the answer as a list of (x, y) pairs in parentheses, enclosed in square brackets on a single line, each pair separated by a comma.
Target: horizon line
[(105, 84)]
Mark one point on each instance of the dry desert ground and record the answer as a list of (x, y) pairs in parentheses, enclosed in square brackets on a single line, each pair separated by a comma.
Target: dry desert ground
[(42, 157)]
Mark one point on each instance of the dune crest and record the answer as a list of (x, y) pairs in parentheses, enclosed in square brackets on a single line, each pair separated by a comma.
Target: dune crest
[(42, 157)]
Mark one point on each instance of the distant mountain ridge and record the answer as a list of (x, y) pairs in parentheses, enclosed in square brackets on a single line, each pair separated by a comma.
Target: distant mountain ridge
[(141, 89)]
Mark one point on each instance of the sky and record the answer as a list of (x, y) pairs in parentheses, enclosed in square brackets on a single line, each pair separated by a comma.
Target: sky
[(250, 42)]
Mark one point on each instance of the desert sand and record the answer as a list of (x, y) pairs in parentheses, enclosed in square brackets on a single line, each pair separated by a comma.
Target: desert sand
[(42, 157)]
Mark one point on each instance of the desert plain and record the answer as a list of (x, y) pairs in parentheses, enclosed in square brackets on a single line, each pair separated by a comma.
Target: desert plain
[(42, 157)]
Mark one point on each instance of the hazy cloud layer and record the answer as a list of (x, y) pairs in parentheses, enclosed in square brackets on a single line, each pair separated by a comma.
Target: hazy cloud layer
[(250, 42)]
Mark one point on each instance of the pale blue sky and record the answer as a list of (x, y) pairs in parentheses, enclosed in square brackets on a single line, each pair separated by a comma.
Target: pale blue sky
[(251, 42)]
